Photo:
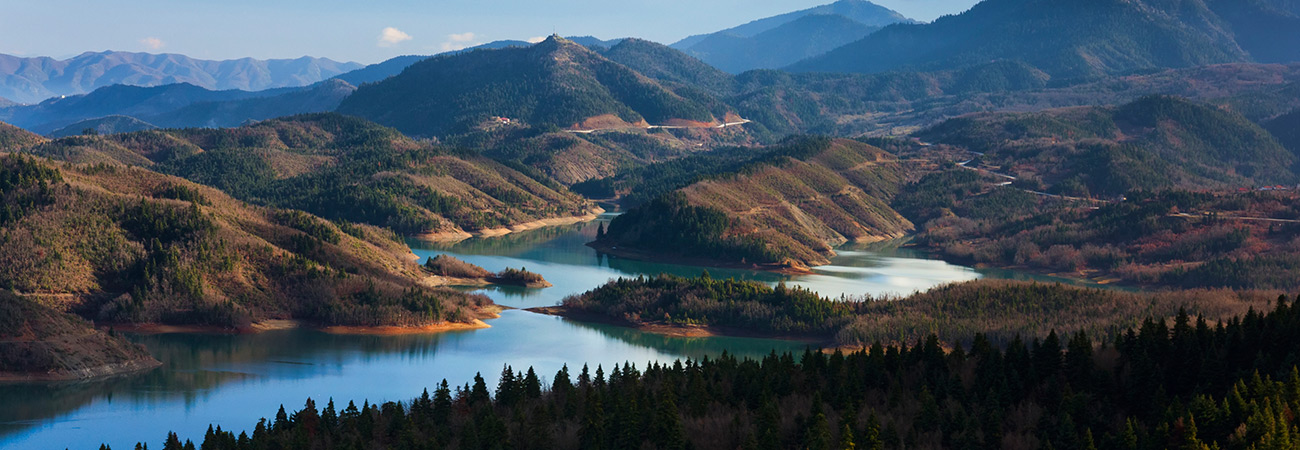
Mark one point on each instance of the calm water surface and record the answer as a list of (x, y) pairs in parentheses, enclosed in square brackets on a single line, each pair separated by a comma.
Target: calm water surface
[(234, 380)]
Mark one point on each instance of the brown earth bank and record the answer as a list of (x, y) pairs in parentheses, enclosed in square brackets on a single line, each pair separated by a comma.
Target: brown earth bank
[(677, 330), (485, 313), (460, 235)]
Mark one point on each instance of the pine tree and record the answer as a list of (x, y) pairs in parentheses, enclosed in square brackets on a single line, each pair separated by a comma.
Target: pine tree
[(846, 438)]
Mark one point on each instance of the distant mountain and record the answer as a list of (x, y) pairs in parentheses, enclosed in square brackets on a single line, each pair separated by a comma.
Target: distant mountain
[(1153, 143), (104, 125), (860, 11), (178, 105), (554, 83), (5, 103), (1267, 29), (1068, 39), (802, 38), (31, 80), (380, 71), (783, 40), (320, 97)]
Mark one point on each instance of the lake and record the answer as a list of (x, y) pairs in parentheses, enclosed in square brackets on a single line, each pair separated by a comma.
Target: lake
[(232, 380)]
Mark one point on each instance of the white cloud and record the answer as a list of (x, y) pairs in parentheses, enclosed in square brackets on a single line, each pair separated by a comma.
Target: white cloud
[(459, 42), (391, 36), (534, 40), (153, 43)]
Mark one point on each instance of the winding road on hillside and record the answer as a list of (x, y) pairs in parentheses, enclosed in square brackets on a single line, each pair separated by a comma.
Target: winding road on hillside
[(661, 127)]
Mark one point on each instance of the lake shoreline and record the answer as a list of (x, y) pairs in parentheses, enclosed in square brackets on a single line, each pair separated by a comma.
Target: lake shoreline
[(641, 255), (1089, 278), (677, 330), (486, 313), (460, 235)]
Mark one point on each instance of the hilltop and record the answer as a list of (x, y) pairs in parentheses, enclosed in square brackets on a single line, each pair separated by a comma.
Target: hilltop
[(556, 83), (785, 209)]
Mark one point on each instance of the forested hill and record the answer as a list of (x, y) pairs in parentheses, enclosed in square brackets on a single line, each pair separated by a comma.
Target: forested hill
[(1074, 39), (554, 83), (341, 168), (1154, 143), (121, 244), (786, 208)]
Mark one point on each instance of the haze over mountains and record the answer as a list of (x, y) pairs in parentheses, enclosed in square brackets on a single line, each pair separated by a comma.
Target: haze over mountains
[(1076, 39), (781, 40), (31, 80)]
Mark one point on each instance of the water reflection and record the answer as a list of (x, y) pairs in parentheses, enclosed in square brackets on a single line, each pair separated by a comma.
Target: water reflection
[(233, 380)]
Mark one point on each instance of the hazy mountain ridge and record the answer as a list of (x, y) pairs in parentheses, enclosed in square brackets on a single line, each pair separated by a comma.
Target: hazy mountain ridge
[(782, 40), (31, 80), (1071, 39), (179, 105)]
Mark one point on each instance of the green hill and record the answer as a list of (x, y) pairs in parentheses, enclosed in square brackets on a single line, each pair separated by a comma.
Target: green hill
[(556, 83), (784, 209), (1155, 142), (1069, 39), (799, 39), (340, 168), (127, 245)]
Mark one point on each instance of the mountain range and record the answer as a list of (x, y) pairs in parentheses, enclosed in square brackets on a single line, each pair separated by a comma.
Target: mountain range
[(31, 80), (1078, 39), (781, 40), (178, 105)]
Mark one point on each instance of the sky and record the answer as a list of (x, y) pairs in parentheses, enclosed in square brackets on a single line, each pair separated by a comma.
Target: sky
[(369, 31)]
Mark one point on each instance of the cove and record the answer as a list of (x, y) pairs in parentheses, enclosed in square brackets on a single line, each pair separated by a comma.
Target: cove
[(232, 380)]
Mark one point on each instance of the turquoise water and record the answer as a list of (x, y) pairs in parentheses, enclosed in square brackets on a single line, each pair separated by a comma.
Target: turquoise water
[(234, 380)]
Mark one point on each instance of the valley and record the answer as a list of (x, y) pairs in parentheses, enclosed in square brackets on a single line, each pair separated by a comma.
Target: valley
[(1022, 224)]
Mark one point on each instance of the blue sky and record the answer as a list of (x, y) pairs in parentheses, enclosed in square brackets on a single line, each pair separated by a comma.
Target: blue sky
[(369, 31)]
